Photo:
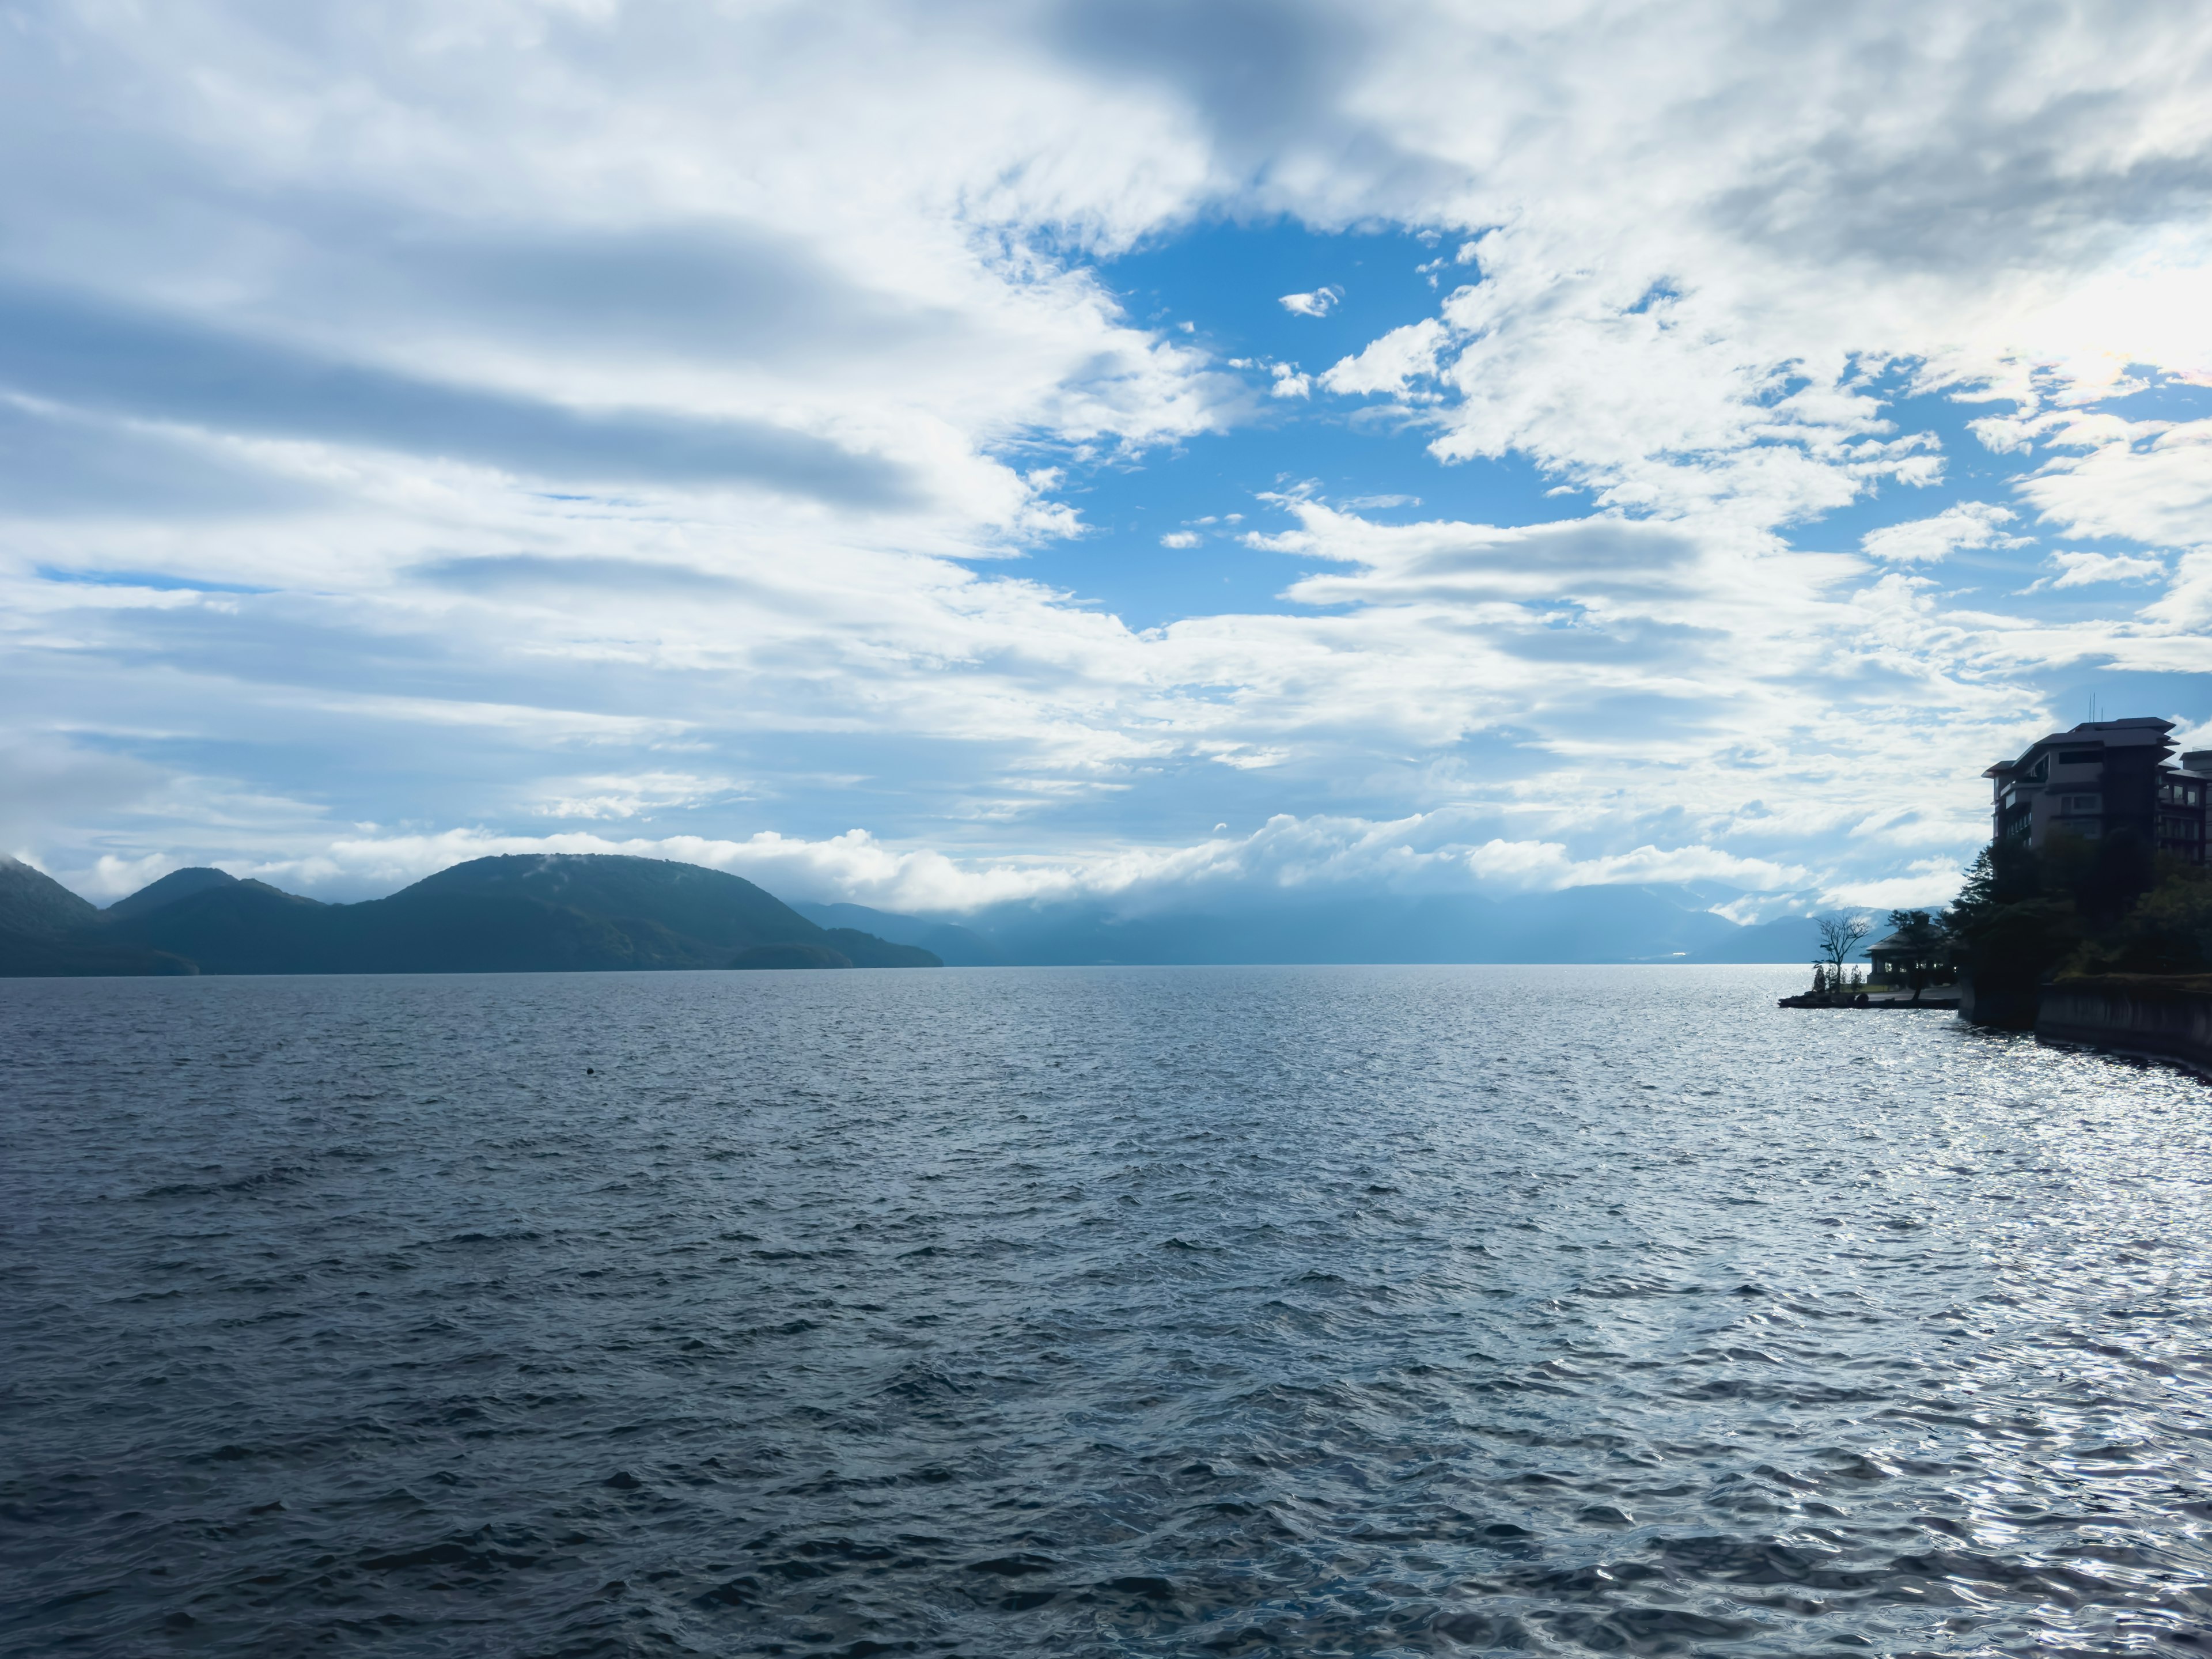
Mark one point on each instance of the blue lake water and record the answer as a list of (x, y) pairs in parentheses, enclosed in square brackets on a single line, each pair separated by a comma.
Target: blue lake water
[(1317, 1310)]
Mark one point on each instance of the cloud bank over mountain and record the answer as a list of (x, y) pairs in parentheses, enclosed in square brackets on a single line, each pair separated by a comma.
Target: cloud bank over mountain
[(959, 453)]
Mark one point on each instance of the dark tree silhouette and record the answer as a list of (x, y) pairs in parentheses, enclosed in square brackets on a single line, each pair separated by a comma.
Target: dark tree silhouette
[(1922, 935)]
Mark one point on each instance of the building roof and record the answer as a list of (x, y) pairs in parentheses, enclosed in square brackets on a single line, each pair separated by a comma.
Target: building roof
[(1898, 943), (2130, 733)]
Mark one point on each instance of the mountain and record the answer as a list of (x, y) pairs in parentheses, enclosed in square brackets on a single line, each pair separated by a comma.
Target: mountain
[(711, 906), (533, 913), (43, 930), (518, 914), (704, 905), (250, 927), (791, 956), (960, 947), (32, 903), (177, 884), (35, 956)]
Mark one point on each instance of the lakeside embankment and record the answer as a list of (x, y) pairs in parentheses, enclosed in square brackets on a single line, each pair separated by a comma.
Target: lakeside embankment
[(1945, 996), (2163, 1017), (2160, 1016), (2157, 1016)]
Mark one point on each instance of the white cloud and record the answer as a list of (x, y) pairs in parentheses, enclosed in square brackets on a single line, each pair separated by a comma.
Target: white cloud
[(1286, 854), (640, 794), (112, 878), (1931, 884), (1688, 291), (2147, 481), (2187, 605), (1181, 539), (46, 780), (2082, 569), (1652, 685), (2002, 434), (1390, 363), (1969, 524), (791, 326), (1545, 866)]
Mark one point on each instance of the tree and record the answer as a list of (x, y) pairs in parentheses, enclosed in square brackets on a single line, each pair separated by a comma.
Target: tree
[(1922, 936), (2168, 932), (1839, 937), (2015, 920)]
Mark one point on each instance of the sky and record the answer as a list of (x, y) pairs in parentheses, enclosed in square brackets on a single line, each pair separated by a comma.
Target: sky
[(938, 455)]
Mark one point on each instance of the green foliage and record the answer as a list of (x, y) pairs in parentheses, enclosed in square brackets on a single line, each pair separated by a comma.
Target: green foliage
[(32, 955), (33, 903), (1916, 929), (2078, 906), (2169, 930), (2008, 931), (2003, 872)]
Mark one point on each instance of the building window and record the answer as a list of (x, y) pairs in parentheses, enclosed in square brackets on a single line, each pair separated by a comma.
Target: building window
[(2080, 803), (2081, 757)]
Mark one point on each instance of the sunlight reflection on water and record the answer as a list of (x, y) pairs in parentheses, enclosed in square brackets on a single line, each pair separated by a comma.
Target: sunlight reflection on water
[(1327, 1310)]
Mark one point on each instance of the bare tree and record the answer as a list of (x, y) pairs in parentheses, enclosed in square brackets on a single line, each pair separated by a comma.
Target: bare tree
[(1840, 936)]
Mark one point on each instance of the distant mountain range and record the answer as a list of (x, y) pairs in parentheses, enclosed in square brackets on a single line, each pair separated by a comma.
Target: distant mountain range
[(528, 913), (1574, 926), (1580, 924), (540, 912)]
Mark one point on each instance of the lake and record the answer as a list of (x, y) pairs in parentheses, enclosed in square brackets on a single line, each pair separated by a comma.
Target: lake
[(1158, 1311)]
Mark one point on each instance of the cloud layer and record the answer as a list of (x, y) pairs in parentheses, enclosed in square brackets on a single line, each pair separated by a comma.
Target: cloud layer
[(483, 424)]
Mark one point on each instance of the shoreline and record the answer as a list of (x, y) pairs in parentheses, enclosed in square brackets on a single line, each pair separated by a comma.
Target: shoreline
[(2146, 1015), (1940, 997)]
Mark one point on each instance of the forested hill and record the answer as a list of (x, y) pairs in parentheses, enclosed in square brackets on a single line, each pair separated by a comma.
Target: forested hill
[(525, 914)]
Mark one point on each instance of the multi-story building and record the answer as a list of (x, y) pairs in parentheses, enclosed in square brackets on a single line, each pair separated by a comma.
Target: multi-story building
[(2102, 778)]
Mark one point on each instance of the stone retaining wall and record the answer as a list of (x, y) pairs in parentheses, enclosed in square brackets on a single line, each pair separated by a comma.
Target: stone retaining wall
[(2135, 1014)]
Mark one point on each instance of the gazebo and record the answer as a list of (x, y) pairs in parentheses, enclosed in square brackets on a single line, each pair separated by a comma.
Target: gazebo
[(1894, 957)]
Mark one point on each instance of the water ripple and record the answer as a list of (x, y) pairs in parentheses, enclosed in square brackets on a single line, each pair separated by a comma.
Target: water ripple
[(1205, 1311)]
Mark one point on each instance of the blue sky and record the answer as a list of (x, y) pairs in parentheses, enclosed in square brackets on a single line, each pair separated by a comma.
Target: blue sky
[(1089, 449), (1226, 280)]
